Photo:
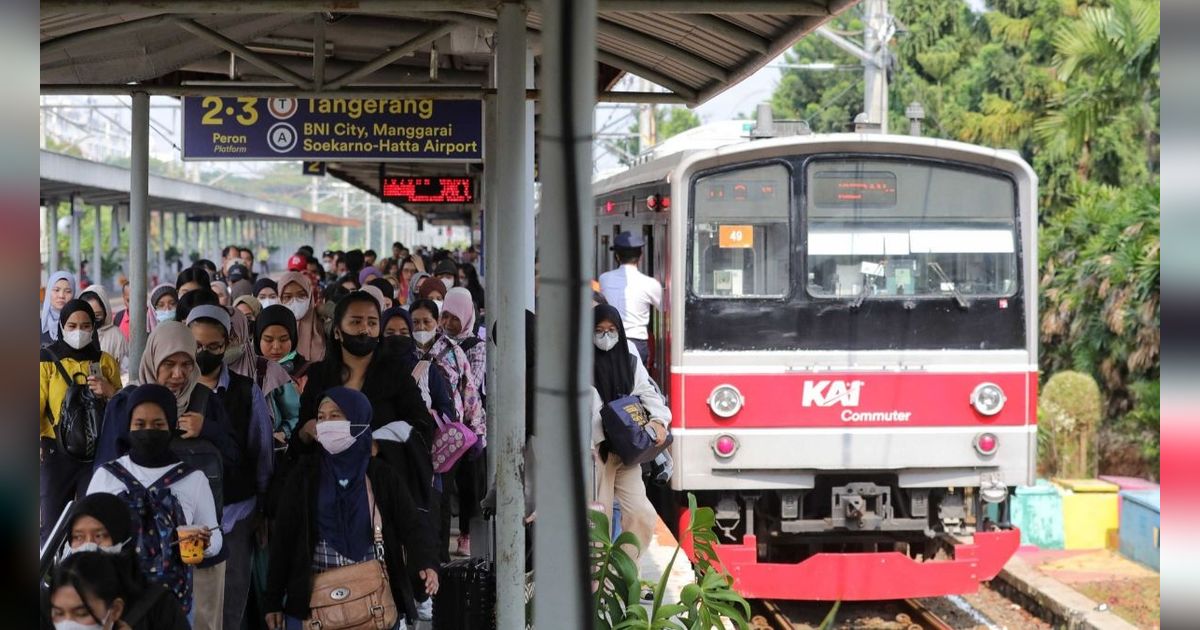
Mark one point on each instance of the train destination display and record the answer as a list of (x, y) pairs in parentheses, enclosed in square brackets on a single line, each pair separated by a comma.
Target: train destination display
[(249, 128), (866, 189), (437, 190)]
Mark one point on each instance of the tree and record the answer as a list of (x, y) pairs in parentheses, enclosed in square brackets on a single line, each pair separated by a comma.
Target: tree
[(668, 121)]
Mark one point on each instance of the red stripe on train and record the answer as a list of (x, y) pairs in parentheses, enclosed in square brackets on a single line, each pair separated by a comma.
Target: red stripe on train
[(853, 399)]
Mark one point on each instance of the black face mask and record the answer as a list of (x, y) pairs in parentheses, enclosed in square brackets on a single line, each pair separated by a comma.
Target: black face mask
[(209, 361), (359, 345), (399, 344), (151, 448)]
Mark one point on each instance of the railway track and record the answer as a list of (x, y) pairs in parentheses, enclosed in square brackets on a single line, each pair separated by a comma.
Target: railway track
[(906, 614)]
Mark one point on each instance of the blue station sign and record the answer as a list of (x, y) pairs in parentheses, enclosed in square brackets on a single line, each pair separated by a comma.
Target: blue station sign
[(411, 130)]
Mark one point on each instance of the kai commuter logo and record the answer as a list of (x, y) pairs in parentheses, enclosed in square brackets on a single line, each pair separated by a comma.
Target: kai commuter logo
[(830, 393)]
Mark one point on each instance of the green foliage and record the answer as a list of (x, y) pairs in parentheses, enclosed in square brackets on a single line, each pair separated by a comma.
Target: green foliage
[(668, 121), (1069, 413), (706, 604)]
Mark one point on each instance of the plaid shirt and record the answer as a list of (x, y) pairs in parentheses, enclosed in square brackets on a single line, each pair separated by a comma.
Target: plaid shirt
[(325, 557)]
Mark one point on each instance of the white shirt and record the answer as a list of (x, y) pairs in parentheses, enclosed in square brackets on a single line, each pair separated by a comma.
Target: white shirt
[(192, 492), (633, 294)]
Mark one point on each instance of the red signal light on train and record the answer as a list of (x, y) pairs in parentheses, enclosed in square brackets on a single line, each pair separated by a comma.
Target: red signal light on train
[(608, 206), (665, 203), (652, 202)]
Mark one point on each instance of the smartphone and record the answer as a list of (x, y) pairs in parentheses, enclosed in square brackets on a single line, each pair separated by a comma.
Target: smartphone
[(94, 369)]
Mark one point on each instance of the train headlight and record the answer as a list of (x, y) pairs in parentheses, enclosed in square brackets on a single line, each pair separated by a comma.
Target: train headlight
[(725, 401), (988, 399)]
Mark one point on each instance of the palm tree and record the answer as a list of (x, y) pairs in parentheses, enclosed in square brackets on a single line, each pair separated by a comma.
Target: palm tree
[(1107, 60)]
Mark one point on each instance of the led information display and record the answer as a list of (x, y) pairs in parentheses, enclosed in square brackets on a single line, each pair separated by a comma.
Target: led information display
[(248, 128), (428, 189), (865, 189)]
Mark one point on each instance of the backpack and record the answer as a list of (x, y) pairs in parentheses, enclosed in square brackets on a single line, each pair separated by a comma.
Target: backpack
[(155, 512), (80, 417), (200, 454)]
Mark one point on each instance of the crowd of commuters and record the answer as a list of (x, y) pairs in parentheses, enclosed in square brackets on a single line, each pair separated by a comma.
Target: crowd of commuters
[(280, 433)]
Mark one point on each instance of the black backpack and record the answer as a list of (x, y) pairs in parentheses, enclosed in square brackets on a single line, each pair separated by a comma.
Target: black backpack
[(80, 417), (201, 454)]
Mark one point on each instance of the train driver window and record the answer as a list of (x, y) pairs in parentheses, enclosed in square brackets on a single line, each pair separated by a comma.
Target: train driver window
[(742, 233)]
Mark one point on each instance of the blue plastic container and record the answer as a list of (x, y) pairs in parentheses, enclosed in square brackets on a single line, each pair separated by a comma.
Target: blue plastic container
[(1141, 519), (1038, 511)]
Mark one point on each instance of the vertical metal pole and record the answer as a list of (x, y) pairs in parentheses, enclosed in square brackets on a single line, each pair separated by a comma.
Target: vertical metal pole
[(513, 133), (345, 246), (564, 348), (875, 82), (491, 234), (97, 247), (54, 262), (139, 181), (162, 247), (76, 246)]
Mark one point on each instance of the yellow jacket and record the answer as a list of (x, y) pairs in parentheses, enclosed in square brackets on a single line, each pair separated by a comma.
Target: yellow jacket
[(53, 387)]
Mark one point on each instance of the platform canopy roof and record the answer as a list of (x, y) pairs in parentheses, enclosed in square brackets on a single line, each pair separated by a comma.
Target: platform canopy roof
[(694, 49)]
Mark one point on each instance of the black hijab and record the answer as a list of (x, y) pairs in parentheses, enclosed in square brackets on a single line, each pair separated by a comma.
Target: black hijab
[(275, 315), (61, 348), (612, 370), (384, 287), (402, 346), (110, 510), (263, 283)]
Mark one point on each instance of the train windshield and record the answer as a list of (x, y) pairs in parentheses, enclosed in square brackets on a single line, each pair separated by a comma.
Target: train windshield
[(889, 229), (743, 233)]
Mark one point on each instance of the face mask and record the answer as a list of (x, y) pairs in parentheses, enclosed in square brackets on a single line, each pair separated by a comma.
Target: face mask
[(334, 435), (164, 316), (151, 448), (91, 546), (423, 337), (359, 345), (77, 338), (449, 282), (71, 624), (268, 302), (439, 305), (233, 353), (606, 341), (400, 344), (208, 361), (299, 308)]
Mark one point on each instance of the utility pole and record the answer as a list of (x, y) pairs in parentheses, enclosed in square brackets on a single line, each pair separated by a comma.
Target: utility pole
[(875, 57), (647, 122)]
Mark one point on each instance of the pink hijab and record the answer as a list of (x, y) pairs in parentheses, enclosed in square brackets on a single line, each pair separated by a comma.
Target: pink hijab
[(458, 303)]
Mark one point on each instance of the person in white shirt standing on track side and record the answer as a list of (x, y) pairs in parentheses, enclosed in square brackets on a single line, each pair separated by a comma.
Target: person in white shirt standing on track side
[(632, 292)]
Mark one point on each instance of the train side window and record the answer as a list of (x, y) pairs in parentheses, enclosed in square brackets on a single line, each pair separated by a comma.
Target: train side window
[(742, 233)]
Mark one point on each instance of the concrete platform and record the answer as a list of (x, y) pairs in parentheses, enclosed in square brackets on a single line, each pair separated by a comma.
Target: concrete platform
[(654, 561), (1089, 589)]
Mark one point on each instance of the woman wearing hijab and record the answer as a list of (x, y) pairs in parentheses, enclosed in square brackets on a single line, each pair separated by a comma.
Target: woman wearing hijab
[(408, 268), (275, 338), (326, 520), (432, 289), (368, 274), (161, 305), (100, 523), (267, 291), (617, 372), (396, 323), (76, 349), (434, 345), (95, 590), (150, 466), (386, 290), (414, 287), (249, 306), (111, 339), (295, 292), (59, 289)]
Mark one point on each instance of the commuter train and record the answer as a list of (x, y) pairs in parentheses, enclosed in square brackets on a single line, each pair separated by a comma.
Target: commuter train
[(847, 341)]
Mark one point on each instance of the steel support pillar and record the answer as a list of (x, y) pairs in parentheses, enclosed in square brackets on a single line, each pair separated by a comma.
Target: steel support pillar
[(97, 247), (515, 274), (491, 255), (54, 262), (564, 330), (162, 247), (73, 230), (139, 212)]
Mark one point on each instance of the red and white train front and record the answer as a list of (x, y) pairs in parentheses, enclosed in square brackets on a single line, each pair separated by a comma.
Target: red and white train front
[(853, 359)]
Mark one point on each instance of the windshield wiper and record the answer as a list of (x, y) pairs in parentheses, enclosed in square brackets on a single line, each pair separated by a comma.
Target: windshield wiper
[(862, 295), (958, 296)]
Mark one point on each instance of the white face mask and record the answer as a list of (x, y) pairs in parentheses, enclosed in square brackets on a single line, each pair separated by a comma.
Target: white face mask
[(163, 316), (334, 435), (423, 337), (439, 305), (91, 546), (299, 308), (449, 282), (606, 341), (77, 338), (71, 624), (268, 302)]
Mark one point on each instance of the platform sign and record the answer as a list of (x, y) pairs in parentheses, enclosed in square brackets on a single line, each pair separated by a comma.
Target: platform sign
[(432, 190), (318, 129), (313, 168)]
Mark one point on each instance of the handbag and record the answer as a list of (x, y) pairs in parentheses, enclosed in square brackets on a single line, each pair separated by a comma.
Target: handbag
[(452, 439), (355, 597), (624, 423)]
